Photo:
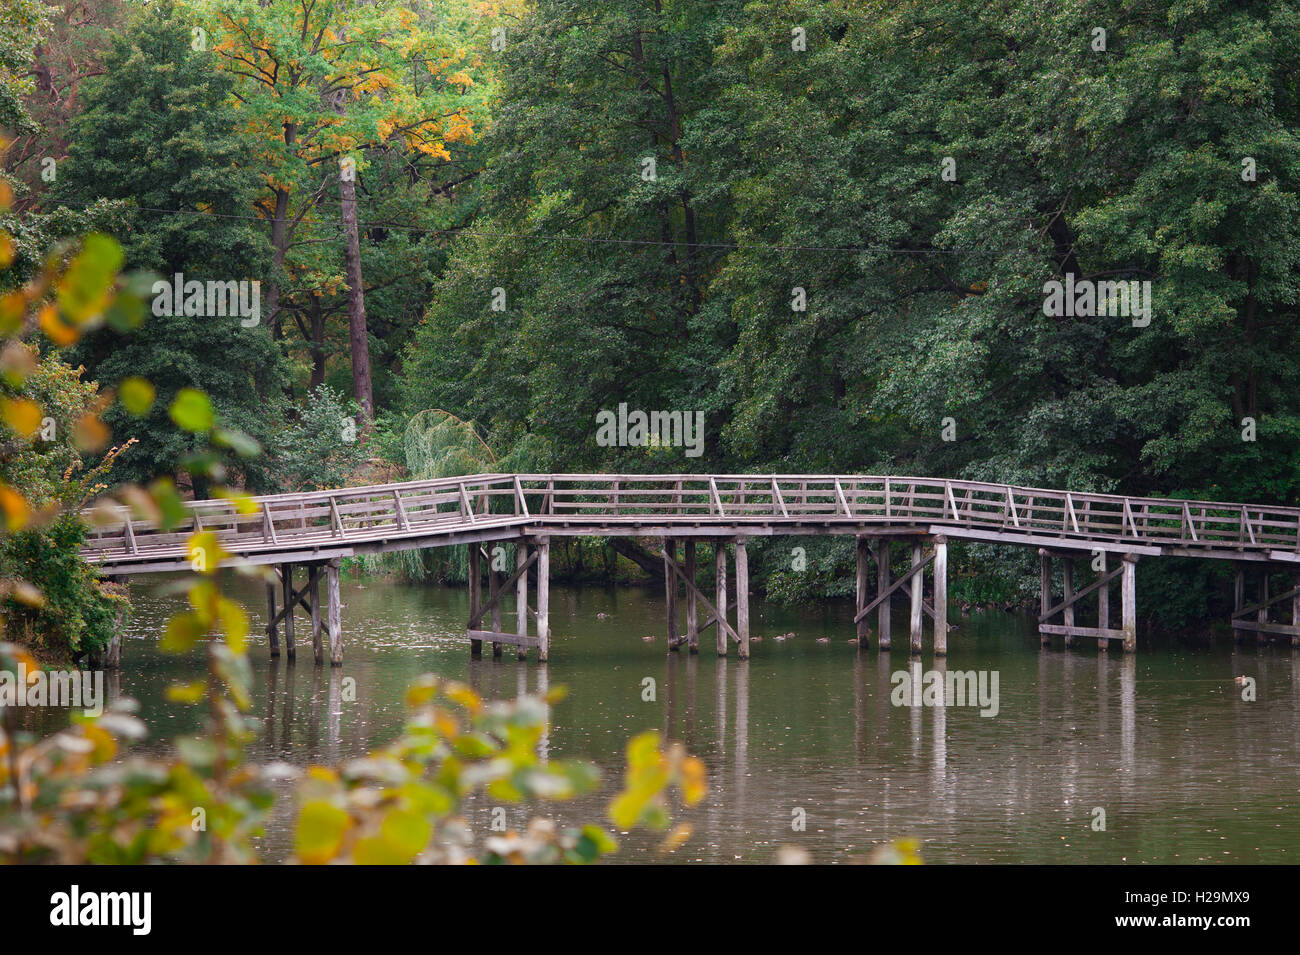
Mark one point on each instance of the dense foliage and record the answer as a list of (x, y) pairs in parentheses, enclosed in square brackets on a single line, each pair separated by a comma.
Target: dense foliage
[(826, 225)]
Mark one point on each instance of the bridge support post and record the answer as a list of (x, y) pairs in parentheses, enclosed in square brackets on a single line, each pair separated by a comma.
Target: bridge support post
[(313, 597), (1045, 592), (1261, 615), (670, 592), (495, 579), (864, 629), (692, 608), (475, 595), (1103, 607), (1295, 610), (1067, 591), (742, 598), (543, 599), (1238, 603), (940, 596), (883, 555), (521, 599), (335, 622), (113, 655), (272, 628), (1129, 603), (918, 598), (720, 591), (286, 582)]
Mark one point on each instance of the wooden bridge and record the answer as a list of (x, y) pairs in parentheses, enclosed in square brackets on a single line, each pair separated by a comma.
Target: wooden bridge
[(314, 531)]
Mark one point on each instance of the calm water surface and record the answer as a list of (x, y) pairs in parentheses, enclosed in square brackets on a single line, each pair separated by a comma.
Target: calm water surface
[(1185, 770)]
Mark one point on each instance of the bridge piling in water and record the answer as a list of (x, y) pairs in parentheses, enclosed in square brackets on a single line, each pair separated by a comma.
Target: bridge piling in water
[(720, 593), (884, 551), (335, 621), (475, 591), (521, 600), (917, 584), (860, 590)]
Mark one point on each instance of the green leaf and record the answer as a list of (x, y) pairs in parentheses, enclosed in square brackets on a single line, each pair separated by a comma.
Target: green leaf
[(192, 410), (136, 395)]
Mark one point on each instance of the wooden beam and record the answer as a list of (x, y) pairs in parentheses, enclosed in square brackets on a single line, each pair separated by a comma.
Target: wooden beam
[(505, 586), (494, 599), (1075, 595), (720, 590), (742, 599), (317, 645), (860, 591), (884, 548), (718, 617), (543, 551), (1103, 600), (941, 596), (918, 593), (1067, 593), (523, 560), (882, 598), (335, 612), (522, 641), (1044, 592), (1253, 608), (669, 553), (692, 603), (272, 621), (1102, 633), (475, 591), (1129, 604)]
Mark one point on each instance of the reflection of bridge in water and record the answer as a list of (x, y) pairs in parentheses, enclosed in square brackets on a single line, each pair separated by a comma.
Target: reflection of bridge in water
[(1073, 733), (315, 531)]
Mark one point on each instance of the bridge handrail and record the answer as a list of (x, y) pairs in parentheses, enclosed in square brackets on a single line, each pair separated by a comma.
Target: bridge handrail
[(378, 511)]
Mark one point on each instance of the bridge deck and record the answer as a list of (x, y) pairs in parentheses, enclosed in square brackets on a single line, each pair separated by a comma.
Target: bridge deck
[(321, 525)]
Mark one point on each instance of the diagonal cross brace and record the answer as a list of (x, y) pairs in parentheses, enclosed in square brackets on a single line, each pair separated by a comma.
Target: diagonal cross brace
[(894, 586), (1078, 594), (509, 582), (722, 621)]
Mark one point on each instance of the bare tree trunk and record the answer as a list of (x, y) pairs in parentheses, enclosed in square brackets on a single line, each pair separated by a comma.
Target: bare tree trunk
[(316, 315), (361, 386)]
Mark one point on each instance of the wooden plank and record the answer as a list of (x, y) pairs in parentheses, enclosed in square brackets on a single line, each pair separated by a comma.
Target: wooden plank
[(522, 641), (1103, 633)]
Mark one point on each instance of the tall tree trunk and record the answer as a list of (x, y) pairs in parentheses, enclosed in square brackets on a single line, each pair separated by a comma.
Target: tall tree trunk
[(361, 387), (316, 315)]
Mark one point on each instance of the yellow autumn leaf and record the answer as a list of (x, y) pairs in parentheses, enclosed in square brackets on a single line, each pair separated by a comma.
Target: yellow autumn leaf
[(16, 511), (21, 414)]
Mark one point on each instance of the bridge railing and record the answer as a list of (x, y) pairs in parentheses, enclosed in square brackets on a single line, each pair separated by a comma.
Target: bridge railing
[(632, 498), (310, 518), (378, 512)]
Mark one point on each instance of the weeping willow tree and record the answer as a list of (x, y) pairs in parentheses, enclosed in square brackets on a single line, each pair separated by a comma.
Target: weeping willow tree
[(437, 444)]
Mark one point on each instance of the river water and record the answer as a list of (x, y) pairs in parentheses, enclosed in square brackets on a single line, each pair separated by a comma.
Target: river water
[(1162, 743)]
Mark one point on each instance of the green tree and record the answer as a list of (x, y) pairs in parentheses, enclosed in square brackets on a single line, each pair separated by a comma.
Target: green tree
[(158, 133)]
